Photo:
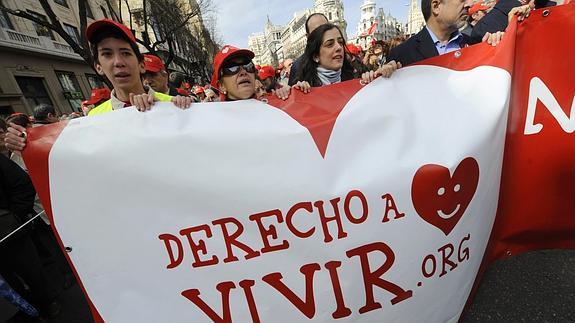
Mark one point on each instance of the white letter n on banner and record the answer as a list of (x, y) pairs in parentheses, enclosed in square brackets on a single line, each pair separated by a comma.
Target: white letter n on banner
[(539, 91)]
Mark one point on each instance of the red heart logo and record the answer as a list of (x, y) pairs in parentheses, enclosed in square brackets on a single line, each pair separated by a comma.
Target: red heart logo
[(441, 199)]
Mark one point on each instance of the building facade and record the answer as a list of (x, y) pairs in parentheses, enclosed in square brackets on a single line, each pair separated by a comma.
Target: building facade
[(415, 21), (375, 24), (37, 65), (288, 41)]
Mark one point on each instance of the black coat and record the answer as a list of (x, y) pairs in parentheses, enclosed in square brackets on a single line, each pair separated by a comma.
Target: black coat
[(417, 48), (16, 190), (293, 71), (495, 20)]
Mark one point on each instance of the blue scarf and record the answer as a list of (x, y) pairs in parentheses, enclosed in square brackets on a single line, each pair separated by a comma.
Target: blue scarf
[(328, 77)]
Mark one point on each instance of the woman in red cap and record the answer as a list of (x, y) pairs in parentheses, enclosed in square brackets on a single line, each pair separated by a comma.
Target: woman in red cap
[(235, 75)]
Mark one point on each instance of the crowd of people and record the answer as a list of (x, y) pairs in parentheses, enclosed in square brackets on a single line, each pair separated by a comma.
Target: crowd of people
[(141, 79)]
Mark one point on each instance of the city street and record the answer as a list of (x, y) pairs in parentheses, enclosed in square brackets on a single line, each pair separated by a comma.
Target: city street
[(533, 287)]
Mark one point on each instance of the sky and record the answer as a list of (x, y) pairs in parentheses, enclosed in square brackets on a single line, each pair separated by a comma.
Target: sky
[(237, 19)]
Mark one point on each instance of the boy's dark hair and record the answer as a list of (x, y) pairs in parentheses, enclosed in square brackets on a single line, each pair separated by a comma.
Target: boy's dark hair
[(107, 32)]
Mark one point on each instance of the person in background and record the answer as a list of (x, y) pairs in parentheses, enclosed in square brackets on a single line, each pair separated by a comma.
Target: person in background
[(497, 19), (211, 95), (44, 114), (156, 75), (20, 263), (354, 55), (375, 55), (177, 82), (97, 97), (285, 71), (261, 93), (199, 92), (267, 76)]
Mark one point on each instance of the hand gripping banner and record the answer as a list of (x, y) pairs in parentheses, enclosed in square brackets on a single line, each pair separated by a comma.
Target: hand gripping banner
[(351, 203)]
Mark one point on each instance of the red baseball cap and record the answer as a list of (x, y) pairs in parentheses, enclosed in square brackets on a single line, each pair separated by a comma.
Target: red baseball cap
[(266, 71), (227, 52), (153, 63), (99, 24), (479, 6), (353, 49), (97, 96), (198, 89)]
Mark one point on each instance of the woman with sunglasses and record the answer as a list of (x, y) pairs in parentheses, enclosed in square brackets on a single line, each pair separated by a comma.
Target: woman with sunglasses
[(235, 75), (326, 61)]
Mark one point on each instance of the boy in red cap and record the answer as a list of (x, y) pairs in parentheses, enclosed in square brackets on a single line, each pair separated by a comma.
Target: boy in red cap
[(117, 57)]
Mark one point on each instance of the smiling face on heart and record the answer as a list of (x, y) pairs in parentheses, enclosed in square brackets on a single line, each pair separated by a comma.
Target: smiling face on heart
[(441, 199)]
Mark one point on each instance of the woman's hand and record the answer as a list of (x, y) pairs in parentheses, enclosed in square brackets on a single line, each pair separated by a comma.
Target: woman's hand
[(303, 86), (15, 138), (385, 70), (283, 92)]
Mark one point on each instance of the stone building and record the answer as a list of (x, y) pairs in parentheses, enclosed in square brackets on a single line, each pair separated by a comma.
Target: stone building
[(415, 21), (37, 66)]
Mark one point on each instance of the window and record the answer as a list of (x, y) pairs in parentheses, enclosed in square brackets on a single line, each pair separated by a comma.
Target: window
[(72, 91), (34, 90), (72, 32), (4, 19), (329, 16), (95, 81), (41, 30), (62, 3)]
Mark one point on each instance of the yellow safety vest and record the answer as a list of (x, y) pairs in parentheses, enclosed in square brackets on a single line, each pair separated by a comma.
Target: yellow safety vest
[(107, 105)]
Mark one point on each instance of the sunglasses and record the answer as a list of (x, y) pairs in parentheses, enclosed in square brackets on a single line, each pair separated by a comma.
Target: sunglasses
[(234, 68)]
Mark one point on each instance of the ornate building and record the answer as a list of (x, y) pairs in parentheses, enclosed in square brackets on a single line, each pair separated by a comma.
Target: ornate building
[(376, 25), (415, 19), (333, 10), (291, 40)]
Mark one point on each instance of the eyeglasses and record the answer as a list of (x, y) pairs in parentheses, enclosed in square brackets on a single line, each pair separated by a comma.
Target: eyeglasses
[(235, 68)]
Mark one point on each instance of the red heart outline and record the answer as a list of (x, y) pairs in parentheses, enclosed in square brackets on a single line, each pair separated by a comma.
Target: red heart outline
[(441, 199)]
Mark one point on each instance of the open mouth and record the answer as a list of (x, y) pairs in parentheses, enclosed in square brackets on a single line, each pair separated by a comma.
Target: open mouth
[(122, 75), (448, 216), (244, 82), (338, 57)]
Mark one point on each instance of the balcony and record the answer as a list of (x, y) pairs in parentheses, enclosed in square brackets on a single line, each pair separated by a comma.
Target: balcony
[(28, 42)]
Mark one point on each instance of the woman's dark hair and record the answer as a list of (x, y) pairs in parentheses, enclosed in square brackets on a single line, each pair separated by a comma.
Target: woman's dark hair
[(20, 119), (307, 70)]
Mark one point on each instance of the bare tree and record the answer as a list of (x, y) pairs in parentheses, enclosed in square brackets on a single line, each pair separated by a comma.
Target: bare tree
[(168, 19), (53, 23)]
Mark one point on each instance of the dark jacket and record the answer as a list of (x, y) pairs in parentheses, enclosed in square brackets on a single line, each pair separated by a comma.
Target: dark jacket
[(16, 190), (495, 20), (417, 48), (293, 71)]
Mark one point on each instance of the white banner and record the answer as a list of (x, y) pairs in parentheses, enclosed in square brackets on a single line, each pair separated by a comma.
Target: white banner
[(229, 212)]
